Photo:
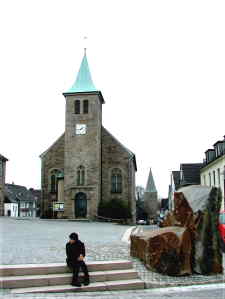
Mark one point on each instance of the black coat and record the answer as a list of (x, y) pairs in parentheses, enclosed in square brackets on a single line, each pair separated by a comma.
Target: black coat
[(74, 250)]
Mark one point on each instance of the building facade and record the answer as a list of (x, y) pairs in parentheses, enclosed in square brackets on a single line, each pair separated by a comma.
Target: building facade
[(20, 201), (11, 209), (213, 170), (3, 161), (86, 165)]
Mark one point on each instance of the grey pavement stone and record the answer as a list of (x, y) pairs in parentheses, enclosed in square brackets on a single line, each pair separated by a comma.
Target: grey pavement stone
[(43, 241), (215, 291)]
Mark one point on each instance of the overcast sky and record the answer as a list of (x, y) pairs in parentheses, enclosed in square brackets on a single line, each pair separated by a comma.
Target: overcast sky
[(160, 66)]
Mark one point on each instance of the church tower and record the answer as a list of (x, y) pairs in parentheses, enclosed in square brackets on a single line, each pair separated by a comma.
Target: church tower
[(82, 154), (87, 170)]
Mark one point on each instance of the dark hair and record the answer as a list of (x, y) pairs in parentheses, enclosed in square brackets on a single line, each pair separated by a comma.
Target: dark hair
[(73, 236)]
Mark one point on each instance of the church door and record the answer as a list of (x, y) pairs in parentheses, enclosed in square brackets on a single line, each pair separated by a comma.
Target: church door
[(80, 205)]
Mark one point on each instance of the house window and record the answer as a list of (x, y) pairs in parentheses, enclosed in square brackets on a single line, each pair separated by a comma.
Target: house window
[(210, 183), (204, 180), (80, 175), (85, 106), (77, 107), (116, 181), (214, 178), (218, 175)]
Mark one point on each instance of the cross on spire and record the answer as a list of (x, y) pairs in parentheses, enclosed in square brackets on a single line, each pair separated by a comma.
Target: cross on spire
[(85, 44)]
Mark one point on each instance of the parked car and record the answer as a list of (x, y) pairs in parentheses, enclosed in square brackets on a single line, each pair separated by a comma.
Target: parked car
[(222, 229), (142, 221)]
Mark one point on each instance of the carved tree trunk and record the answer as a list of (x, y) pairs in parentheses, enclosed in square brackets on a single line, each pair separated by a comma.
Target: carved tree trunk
[(189, 239), (197, 208), (166, 250)]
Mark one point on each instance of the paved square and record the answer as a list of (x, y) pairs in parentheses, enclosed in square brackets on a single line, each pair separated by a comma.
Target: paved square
[(25, 241), (43, 241)]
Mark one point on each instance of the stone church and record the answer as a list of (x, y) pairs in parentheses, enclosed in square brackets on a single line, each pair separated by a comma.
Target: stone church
[(86, 165)]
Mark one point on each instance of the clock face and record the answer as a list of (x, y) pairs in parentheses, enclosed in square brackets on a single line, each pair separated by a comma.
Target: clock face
[(81, 129)]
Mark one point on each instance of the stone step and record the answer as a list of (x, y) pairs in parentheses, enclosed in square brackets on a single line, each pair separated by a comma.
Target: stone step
[(57, 268), (96, 286), (26, 281), (78, 219)]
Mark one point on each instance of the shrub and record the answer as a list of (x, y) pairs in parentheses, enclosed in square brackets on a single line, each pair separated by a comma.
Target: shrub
[(115, 209)]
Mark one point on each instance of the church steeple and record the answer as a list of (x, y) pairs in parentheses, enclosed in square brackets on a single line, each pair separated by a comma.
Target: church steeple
[(83, 81), (150, 184)]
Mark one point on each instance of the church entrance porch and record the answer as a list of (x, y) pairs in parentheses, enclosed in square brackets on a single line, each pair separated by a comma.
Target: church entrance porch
[(80, 207)]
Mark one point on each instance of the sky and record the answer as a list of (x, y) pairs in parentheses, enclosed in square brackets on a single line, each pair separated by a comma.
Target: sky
[(160, 66)]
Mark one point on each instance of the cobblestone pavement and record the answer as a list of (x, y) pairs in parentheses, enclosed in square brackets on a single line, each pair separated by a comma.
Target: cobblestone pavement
[(25, 241), (216, 291), (43, 241)]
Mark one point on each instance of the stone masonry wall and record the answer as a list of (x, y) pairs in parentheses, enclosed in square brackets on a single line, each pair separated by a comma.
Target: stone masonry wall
[(83, 150), (1, 201), (2, 184), (52, 159), (114, 155)]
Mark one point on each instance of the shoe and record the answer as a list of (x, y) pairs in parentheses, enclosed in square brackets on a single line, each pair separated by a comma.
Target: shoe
[(76, 284), (86, 282)]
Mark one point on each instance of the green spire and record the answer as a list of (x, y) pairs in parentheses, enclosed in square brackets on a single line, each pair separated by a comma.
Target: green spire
[(150, 184), (83, 81)]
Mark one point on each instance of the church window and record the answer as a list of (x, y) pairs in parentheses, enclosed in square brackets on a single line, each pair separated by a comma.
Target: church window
[(77, 107), (116, 181), (54, 181), (85, 106), (80, 175)]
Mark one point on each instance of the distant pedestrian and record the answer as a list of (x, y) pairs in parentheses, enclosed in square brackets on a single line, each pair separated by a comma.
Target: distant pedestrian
[(75, 252)]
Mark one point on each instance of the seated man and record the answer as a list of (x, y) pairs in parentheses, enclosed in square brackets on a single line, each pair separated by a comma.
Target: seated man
[(75, 252)]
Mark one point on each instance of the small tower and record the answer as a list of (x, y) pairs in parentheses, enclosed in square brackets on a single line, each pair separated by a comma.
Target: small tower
[(150, 187), (82, 168), (151, 197)]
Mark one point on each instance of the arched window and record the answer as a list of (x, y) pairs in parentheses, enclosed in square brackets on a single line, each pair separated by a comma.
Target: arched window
[(53, 180), (77, 107), (80, 175), (85, 106), (54, 175), (116, 181), (53, 183)]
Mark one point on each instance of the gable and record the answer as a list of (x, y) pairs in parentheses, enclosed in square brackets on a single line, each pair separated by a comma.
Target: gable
[(59, 143), (2, 158), (114, 146)]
